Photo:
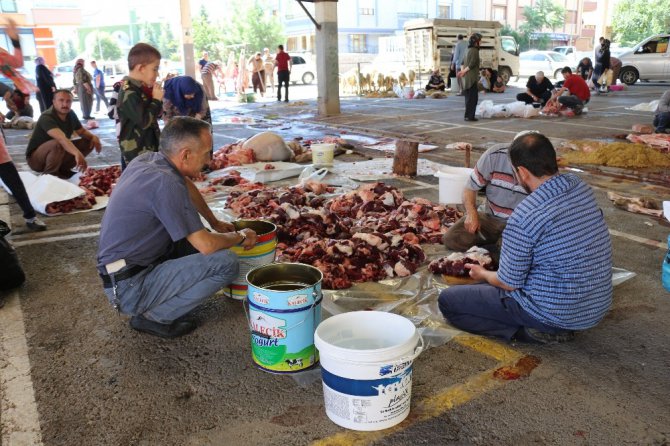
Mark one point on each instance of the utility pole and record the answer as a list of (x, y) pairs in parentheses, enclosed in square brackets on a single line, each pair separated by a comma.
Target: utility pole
[(187, 37)]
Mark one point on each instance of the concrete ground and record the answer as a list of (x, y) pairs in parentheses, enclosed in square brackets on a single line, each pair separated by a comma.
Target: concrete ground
[(72, 372)]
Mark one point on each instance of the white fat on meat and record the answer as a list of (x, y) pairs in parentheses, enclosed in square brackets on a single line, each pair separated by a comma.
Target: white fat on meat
[(290, 210), (388, 199), (371, 240), (475, 253), (401, 270)]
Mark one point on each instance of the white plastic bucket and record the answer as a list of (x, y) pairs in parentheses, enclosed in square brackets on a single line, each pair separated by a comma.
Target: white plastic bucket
[(454, 85), (452, 183), (322, 154), (366, 368)]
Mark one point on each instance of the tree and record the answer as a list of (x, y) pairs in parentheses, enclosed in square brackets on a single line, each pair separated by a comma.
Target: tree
[(67, 51), (206, 36), (635, 20), (253, 27), (149, 35), (544, 14), (104, 47), (167, 44)]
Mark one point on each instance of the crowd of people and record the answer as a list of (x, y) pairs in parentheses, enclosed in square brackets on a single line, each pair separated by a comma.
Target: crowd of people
[(158, 263)]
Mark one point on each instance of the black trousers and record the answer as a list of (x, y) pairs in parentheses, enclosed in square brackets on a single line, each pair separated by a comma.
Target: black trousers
[(525, 97), (471, 97), (10, 176), (283, 77)]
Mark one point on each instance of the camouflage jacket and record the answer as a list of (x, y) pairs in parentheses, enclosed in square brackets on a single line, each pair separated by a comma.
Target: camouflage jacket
[(138, 119)]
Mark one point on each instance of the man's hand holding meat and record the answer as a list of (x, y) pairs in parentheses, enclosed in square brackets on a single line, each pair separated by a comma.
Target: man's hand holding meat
[(157, 260)]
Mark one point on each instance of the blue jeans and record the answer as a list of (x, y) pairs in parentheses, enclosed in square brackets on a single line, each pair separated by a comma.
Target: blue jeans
[(662, 122), (484, 309), (171, 289)]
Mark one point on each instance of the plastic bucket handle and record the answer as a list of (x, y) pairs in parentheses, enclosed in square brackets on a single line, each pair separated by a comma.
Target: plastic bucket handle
[(404, 359)]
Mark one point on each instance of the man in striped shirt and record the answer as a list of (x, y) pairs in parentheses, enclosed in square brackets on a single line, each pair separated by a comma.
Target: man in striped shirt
[(494, 173), (555, 272)]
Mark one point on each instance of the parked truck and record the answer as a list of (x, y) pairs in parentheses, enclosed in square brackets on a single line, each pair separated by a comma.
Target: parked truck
[(429, 44)]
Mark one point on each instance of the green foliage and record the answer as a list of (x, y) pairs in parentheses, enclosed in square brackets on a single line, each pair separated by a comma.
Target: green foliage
[(67, 51), (104, 47), (635, 20), (167, 44), (252, 28), (544, 14), (206, 36)]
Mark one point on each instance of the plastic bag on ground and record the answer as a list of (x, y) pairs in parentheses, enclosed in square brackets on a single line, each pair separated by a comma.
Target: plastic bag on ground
[(485, 109)]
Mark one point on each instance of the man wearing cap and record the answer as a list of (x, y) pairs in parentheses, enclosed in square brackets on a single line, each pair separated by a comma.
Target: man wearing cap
[(470, 74), (555, 274), (257, 73), (495, 175)]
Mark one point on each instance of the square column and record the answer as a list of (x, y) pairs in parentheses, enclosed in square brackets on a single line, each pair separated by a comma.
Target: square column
[(327, 61)]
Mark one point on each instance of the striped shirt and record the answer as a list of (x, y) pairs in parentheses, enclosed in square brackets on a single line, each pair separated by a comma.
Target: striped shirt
[(557, 254), (209, 68), (494, 172)]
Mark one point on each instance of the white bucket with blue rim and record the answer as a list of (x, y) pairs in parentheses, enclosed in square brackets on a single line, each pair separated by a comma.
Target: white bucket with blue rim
[(366, 368)]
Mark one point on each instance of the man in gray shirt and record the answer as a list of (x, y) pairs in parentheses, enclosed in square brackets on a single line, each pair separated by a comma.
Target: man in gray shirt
[(662, 118), (156, 259), (460, 49)]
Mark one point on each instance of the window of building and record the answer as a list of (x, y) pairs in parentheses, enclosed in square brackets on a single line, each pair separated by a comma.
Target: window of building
[(443, 11), (367, 11), (500, 13), (358, 43), (8, 6)]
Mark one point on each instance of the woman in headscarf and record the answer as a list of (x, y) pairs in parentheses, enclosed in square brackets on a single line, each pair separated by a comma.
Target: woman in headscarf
[(84, 88), (183, 96), (46, 84)]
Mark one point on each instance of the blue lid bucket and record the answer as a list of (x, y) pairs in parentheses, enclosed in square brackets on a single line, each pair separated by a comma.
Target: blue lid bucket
[(284, 310)]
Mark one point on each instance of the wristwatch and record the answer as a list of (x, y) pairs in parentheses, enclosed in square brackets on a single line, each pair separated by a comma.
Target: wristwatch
[(243, 235)]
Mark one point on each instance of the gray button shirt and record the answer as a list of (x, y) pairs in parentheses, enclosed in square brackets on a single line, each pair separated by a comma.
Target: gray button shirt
[(149, 209)]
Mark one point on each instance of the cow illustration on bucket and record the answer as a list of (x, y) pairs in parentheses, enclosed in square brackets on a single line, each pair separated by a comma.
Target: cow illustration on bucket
[(284, 309)]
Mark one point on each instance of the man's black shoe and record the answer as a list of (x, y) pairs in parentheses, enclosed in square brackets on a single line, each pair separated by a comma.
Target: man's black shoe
[(172, 330), (534, 336), (472, 119)]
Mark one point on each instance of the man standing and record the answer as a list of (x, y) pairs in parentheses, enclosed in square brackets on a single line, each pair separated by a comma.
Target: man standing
[(156, 259), (470, 74), (98, 86), (538, 89), (576, 86), (269, 66), (460, 49), (555, 272), (284, 64), (662, 117), (257, 73), (495, 175), (50, 149), (205, 58)]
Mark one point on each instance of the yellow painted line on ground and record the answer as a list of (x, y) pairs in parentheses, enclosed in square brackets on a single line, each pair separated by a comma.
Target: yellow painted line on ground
[(447, 399), (635, 238)]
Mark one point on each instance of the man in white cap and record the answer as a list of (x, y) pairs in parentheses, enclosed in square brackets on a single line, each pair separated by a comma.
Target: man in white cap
[(494, 174)]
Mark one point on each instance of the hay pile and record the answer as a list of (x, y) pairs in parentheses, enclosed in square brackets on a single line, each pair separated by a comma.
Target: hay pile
[(616, 154)]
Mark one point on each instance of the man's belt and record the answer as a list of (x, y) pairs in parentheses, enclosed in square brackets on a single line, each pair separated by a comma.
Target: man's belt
[(125, 274)]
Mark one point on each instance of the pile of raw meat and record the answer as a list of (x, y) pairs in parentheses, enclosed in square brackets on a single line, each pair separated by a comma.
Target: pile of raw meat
[(95, 183), (231, 155), (454, 263), (658, 141), (369, 234), (232, 178)]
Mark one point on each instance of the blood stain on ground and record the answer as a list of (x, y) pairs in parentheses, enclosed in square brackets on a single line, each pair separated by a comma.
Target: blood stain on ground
[(522, 369)]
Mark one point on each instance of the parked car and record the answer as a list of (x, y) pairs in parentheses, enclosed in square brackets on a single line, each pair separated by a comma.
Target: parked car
[(114, 70), (302, 70), (63, 75), (649, 60), (549, 62)]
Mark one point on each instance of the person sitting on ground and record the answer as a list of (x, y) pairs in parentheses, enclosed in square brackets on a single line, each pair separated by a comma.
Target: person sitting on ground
[(555, 273), (538, 89), (19, 105), (436, 81), (498, 84), (493, 174), (662, 117), (484, 83), (50, 149), (579, 93), (156, 259), (585, 68)]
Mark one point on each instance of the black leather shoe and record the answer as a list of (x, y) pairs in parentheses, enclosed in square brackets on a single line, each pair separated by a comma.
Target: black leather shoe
[(172, 330), (533, 336), (472, 119)]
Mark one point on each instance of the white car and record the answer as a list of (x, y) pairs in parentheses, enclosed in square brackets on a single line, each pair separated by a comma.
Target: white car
[(302, 70), (649, 61), (549, 62), (63, 75)]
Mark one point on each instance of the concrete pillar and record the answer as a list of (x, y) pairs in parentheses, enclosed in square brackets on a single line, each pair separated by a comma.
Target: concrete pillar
[(187, 37), (327, 64)]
